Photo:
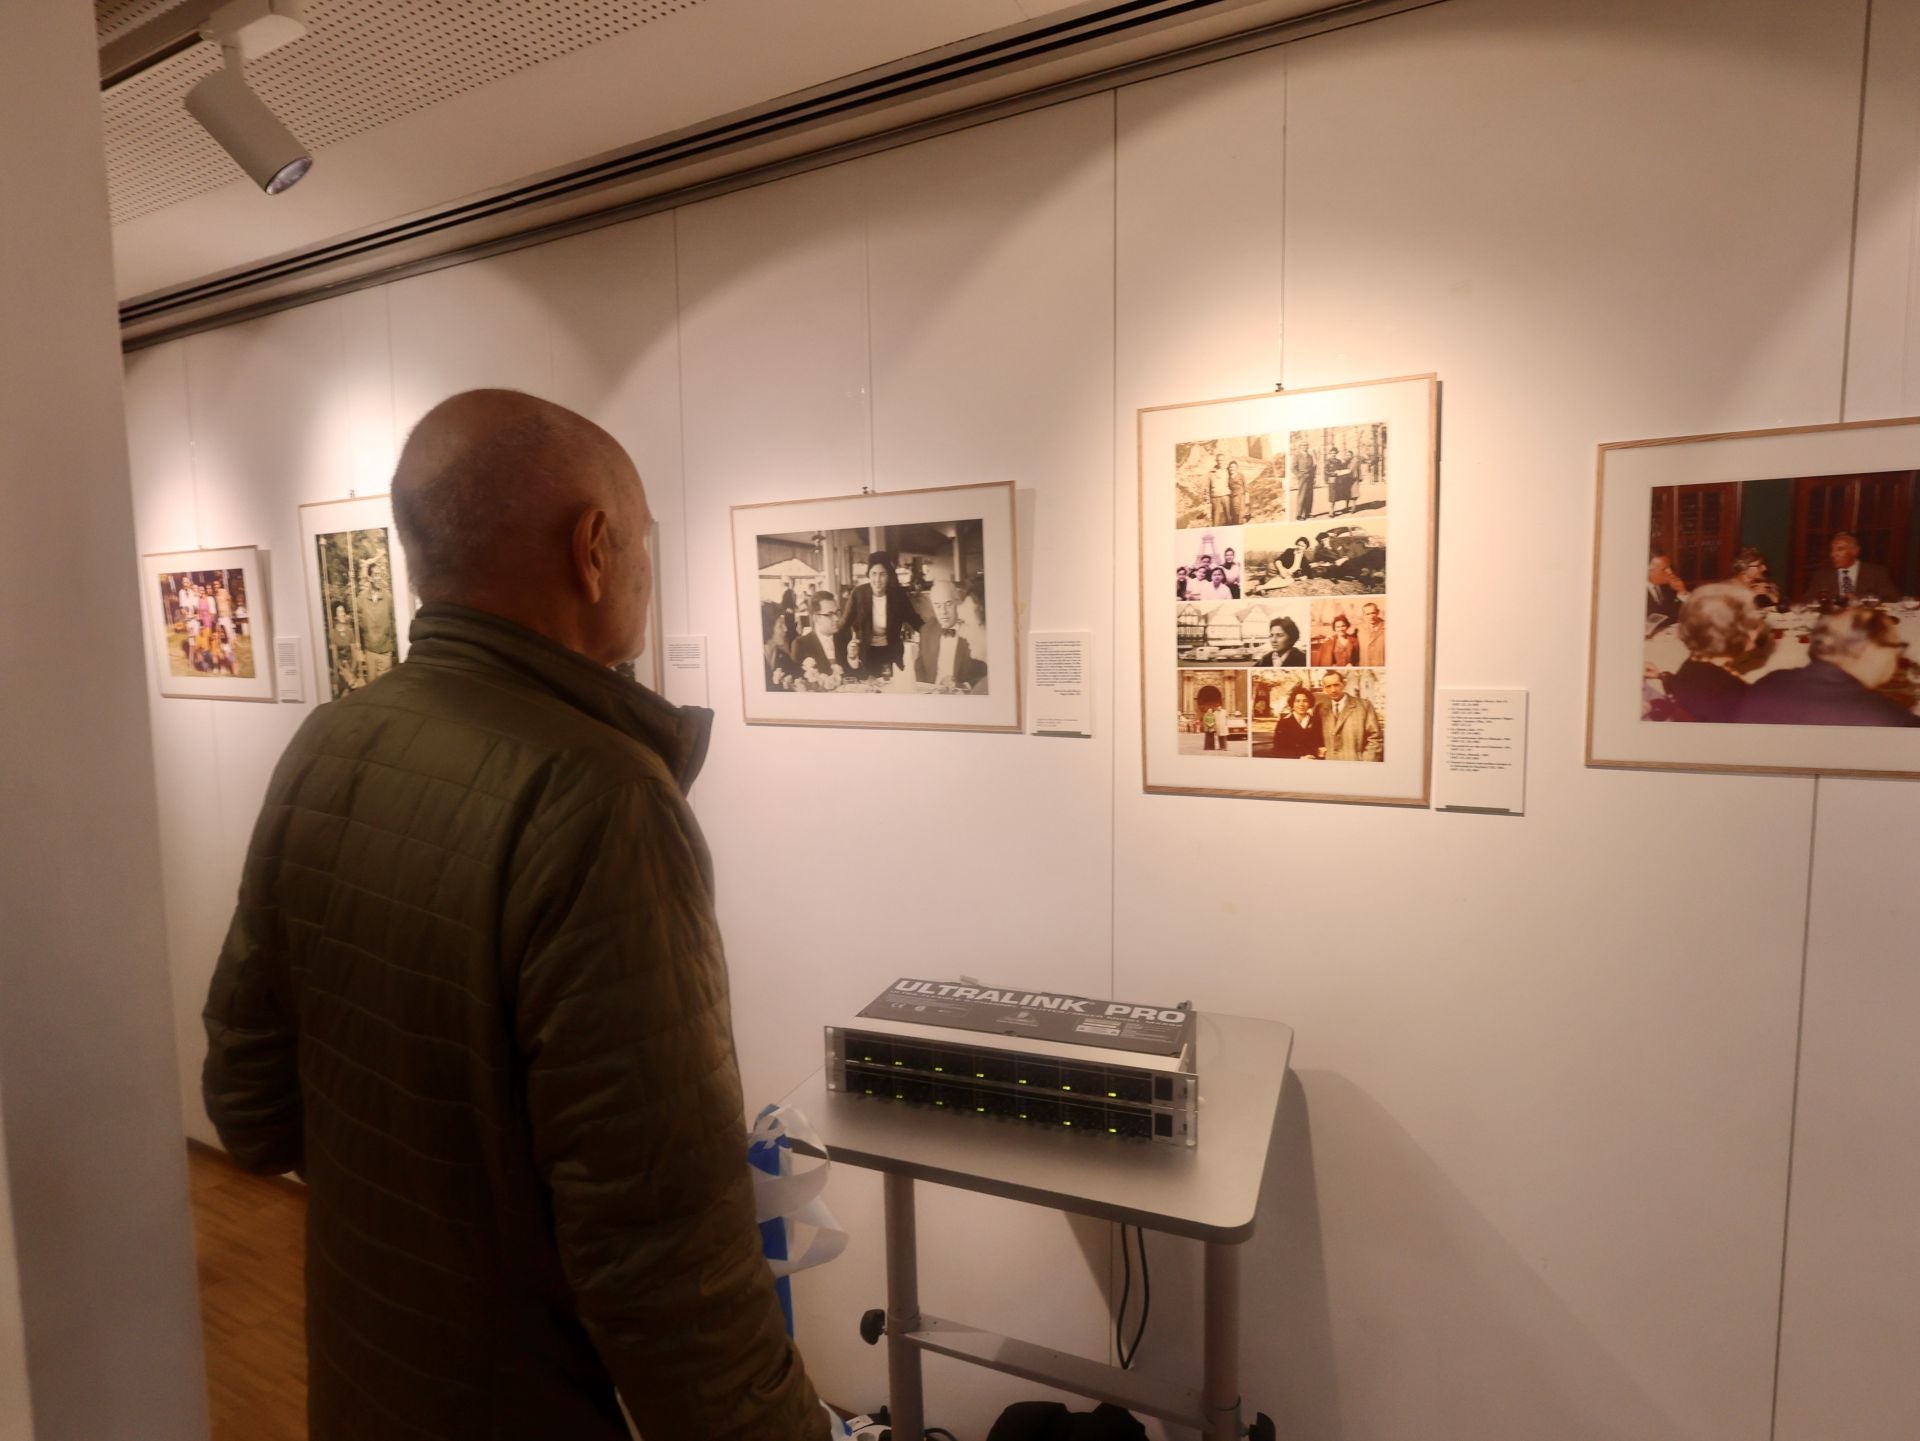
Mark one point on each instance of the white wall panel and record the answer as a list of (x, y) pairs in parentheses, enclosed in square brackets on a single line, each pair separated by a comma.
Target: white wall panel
[(1532, 1177), (1547, 1090), (1850, 1323)]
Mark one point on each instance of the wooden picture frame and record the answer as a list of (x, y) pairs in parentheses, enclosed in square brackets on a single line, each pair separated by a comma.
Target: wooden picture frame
[(948, 576), (1726, 634), (208, 623), (1311, 513)]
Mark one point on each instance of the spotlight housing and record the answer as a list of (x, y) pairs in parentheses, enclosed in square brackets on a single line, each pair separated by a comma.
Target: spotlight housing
[(252, 134), (225, 104)]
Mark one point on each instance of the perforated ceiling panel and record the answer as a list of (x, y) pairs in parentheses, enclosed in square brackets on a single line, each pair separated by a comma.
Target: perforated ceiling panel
[(361, 64)]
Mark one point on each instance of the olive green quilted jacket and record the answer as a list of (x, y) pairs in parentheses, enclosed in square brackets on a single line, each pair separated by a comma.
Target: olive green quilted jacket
[(474, 993)]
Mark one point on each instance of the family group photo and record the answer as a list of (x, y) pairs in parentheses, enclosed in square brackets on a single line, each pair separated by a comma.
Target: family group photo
[(1784, 602), (875, 609), (203, 614)]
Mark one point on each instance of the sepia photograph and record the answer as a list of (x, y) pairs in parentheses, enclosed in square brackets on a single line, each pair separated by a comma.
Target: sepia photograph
[(1350, 631), (1209, 565), (1281, 591), (1229, 482), (1241, 633), (879, 609), (359, 600), (207, 624), (1763, 615), (1336, 471), (1214, 718), (1344, 559)]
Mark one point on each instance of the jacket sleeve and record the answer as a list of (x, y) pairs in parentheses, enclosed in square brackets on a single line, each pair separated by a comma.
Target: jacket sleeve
[(251, 1079), (634, 1101)]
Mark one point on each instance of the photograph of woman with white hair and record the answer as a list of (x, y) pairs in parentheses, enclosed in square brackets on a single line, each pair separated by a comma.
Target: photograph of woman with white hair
[(1726, 638)]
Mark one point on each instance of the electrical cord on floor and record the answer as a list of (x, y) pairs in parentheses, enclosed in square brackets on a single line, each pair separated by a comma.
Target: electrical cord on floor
[(1127, 1353)]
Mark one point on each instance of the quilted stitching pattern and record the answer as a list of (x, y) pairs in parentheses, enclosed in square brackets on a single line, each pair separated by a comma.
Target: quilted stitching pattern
[(474, 992)]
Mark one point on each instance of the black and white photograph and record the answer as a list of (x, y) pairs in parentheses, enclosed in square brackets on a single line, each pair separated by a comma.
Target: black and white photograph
[(1215, 714), (1229, 482), (883, 609), (207, 624), (1238, 632), (1343, 559), (840, 616), (1338, 470), (359, 600), (1209, 565), (1281, 596)]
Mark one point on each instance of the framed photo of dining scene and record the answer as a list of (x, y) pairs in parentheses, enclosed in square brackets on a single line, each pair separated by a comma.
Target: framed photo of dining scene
[(895, 608), (359, 601), (206, 623), (1756, 602), (1286, 593)]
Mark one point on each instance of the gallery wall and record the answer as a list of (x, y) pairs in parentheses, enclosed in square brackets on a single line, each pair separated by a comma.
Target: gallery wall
[(99, 1329), (1565, 1154)]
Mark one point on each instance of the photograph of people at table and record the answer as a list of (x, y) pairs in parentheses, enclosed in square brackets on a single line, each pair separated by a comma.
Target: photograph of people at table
[(1784, 602), (838, 614)]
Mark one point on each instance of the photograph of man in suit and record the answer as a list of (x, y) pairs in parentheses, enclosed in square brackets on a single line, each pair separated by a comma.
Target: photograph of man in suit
[(1351, 724), (1851, 654), (1283, 638), (945, 660), (1849, 577), (876, 623), (1373, 635), (1665, 589), (822, 645)]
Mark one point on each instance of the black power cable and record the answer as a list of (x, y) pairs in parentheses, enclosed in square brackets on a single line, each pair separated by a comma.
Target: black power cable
[(1128, 1353)]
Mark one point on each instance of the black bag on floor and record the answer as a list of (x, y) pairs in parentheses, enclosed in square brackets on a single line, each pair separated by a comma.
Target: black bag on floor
[(1050, 1421)]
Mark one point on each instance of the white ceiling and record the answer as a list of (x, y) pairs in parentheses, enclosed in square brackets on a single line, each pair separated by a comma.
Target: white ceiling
[(411, 104)]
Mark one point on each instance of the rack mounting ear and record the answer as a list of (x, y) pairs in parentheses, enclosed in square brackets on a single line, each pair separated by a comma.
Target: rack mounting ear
[(226, 105)]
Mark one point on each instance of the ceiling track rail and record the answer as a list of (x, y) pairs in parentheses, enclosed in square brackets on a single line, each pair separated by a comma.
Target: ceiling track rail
[(221, 300)]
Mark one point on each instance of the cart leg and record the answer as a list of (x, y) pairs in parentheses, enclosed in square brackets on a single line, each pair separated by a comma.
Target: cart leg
[(903, 1308), (1221, 1344)]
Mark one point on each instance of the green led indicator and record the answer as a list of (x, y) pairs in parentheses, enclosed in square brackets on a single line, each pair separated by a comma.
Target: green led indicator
[(1066, 1088), (1113, 1130), (981, 1109), (1023, 1080), (1066, 1123), (979, 1075), (1113, 1095), (939, 1103), (899, 1063)]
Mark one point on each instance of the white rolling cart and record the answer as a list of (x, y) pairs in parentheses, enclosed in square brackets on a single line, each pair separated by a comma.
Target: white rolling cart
[(1209, 1193)]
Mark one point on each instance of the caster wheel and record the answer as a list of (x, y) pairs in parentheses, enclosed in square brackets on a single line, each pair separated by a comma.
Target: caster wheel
[(1262, 1428), (873, 1325)]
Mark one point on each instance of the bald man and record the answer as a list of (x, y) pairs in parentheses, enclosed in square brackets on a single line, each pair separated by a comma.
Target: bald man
[(473, 991)]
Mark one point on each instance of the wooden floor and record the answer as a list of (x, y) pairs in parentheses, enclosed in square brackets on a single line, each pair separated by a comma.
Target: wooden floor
[(249, 1233)]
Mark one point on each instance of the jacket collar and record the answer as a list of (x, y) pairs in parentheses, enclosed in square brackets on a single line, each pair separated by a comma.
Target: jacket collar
[(445, 634)]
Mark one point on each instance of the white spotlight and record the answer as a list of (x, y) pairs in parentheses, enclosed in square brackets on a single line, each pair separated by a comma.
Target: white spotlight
[(227, 106)]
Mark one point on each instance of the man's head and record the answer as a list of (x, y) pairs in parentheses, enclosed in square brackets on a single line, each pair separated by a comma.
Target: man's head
[(1863, 640), (1844, 548), (1720, 622), (946, 602), (1282, 632), (1370, 613), (522, 508), (824, 604), (1333, 685)]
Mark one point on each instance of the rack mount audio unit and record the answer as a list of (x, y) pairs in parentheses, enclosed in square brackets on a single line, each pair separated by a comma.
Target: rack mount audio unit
[(1108, 1068)]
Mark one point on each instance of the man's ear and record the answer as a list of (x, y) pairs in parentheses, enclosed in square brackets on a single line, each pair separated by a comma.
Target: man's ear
[(592, 552)]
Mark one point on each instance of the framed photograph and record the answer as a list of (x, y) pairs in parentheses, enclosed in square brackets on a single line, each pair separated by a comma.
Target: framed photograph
[(206, 619), (359, 601), (1281, 538), (892, 609), (1756, 602)]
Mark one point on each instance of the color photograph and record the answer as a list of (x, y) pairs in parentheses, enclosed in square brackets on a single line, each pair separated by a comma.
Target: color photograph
[(1758, 602), (1350, 631), (207, 624), (1214, 717)]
